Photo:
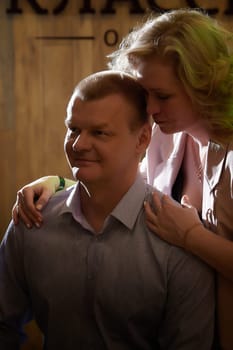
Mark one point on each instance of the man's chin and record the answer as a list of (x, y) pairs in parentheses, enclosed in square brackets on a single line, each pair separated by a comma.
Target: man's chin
[(75, 172), (80, 175)]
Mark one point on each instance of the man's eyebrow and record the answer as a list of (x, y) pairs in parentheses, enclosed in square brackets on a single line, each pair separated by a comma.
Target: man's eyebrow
[(100, 125), (68, 122)]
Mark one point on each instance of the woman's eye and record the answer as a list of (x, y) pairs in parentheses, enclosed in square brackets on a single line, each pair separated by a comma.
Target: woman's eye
[(163, 97), (158, 95)]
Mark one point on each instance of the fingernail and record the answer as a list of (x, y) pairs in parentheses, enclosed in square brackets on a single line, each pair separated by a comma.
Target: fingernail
[(37, 224), (29, 226), (38, 206)]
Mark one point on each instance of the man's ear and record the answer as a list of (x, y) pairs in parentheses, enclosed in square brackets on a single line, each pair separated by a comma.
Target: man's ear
[(144, 137)]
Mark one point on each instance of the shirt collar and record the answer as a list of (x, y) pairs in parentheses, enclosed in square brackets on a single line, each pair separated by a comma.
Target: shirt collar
[(215, 159), (129, 206), (126, 211)]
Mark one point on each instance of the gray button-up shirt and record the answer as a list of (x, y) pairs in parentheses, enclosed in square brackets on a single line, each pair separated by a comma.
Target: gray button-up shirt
[(124, 289)]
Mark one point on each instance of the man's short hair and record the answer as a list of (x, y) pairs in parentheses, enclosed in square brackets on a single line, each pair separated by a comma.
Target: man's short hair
[(105, 83)]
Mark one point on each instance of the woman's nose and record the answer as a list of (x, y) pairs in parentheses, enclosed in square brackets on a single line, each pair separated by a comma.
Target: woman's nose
[(153, 106)]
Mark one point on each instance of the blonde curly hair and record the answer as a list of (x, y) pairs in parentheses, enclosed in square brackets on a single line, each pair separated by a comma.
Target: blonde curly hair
[(201, 50)]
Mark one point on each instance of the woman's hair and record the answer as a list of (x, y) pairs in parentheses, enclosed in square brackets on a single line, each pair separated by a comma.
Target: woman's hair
[(105, 83), (201, 52)]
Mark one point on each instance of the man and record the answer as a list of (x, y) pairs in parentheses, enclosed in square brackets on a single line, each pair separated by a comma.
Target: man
[(94, 276)]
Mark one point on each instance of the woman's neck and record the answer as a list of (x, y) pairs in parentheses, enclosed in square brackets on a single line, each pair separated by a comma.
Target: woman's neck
[(200, 136)]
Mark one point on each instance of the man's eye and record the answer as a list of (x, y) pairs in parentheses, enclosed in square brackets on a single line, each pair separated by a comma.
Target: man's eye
[(73, 131), (99, 132)]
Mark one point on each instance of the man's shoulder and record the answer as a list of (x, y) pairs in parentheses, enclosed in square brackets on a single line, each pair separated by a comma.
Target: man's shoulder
[(175, 255), (57, 204)]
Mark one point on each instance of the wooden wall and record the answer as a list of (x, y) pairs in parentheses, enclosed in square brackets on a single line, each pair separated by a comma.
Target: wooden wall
[(37, 77)]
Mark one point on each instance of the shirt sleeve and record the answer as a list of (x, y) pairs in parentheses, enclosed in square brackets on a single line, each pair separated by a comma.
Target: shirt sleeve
[(189, 318), (14, 299)]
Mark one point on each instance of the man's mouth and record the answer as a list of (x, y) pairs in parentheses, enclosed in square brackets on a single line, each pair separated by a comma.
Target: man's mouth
[(84, 161)]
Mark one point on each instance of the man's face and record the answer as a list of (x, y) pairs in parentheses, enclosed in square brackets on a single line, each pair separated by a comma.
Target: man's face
[(167, 102), (100, 146)]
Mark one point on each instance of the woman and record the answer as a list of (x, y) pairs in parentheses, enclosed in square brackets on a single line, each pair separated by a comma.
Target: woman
[(184, 62)]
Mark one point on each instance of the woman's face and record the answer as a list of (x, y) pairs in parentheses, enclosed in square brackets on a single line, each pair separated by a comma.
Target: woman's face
[(167, 101)]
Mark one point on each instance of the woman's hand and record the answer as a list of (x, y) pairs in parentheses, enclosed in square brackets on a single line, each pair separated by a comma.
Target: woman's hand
[(32, 198), (170, 220)]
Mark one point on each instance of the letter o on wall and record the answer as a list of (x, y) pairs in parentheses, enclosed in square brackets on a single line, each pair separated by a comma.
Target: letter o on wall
[(111, 37)]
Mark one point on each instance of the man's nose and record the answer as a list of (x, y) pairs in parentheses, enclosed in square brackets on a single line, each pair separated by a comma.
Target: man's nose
[(81, 142)]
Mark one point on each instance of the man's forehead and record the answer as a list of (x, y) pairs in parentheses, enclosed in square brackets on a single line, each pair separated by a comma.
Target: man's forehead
[(109, 98), (98, 106)]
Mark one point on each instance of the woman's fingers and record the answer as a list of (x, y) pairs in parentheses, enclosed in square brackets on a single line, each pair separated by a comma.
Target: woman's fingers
[(157, 201), (24, 209), (185, 202), (150, 214)]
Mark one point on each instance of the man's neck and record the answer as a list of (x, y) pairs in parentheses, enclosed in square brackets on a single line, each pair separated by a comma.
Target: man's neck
[(98, 202)]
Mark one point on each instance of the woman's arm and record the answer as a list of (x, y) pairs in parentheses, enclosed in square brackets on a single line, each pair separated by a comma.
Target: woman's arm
[(181, 226), (32, 198)]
